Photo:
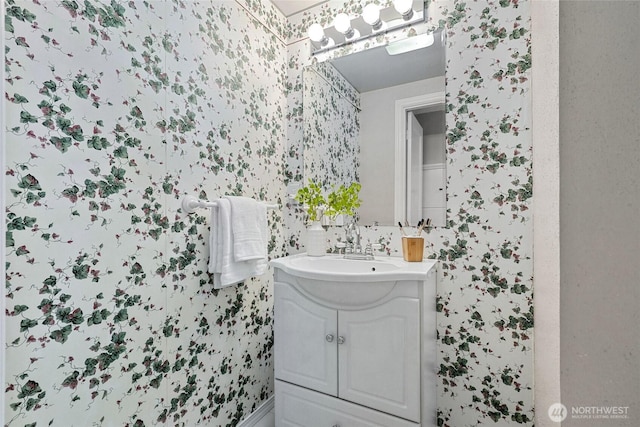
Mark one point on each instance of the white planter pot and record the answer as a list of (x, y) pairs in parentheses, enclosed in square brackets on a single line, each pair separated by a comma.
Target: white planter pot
[(316, 240)]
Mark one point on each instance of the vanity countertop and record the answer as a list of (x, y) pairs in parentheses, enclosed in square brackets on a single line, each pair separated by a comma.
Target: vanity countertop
[(337, 268)]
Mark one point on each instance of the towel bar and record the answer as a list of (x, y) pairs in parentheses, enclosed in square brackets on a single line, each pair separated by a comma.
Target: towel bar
[(190, 204)]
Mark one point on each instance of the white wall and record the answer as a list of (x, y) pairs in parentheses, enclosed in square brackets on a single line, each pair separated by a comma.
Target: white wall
[(433, 124)]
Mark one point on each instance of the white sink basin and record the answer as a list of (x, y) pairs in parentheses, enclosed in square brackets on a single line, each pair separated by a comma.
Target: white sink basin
[(337, 268)]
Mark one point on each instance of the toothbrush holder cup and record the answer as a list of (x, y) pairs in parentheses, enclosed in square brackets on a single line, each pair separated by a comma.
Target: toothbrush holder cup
[(412, 248)]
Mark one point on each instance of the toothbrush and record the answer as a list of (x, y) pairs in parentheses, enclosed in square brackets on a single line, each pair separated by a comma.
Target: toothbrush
[(402, 229), (422, 225)]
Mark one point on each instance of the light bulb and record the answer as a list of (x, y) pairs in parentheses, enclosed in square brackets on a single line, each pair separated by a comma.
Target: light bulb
[(342, 23), (404, 8), (316, 33), (371, 15)]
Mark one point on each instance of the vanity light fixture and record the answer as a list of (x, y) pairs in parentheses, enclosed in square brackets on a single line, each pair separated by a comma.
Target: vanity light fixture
[(404, 8), (374, 20)]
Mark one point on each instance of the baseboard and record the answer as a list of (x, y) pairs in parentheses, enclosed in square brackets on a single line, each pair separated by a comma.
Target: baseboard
[(257, 415)]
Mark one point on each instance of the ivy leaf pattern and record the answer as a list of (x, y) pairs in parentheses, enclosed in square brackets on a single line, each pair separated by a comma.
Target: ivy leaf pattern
[(484, 304), (115, 110)]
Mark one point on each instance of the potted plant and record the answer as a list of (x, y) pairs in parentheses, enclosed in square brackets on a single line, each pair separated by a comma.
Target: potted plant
[(341, 201), (312, 199), (314, 203)]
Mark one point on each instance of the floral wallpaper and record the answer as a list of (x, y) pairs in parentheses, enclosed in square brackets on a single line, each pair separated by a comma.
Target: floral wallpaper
[(485, 294), (331, 127), (115, 110)]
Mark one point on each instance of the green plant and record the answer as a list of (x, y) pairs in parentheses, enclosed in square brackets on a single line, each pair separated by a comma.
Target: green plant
[(341, 201), (311, 197), (344, 200)]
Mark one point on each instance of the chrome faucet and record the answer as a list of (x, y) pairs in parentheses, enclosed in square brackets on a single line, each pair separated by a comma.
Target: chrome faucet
[(357, 247), (353, 249), (348, 237)]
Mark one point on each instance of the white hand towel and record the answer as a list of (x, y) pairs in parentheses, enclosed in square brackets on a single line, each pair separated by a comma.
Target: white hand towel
[(249, 227), (226, 271), (215, 242)]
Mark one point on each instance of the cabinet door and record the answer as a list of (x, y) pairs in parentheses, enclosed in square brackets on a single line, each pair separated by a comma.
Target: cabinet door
[(305, 341), (379, 358)]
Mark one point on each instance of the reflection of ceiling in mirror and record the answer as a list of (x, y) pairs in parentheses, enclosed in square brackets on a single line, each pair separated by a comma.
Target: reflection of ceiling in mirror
[(375, 69)]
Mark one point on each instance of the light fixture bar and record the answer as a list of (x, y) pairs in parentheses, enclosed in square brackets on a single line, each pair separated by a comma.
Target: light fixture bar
[(370, 25)]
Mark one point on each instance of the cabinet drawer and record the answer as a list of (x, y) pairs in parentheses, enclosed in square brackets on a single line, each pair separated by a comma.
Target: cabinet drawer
[(300, 407)]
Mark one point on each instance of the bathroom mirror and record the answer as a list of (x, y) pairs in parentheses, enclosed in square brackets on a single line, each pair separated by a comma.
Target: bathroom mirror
[(379, 119)]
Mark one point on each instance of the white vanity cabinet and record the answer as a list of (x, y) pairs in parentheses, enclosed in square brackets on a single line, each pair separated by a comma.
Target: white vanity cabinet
[(354, 353)]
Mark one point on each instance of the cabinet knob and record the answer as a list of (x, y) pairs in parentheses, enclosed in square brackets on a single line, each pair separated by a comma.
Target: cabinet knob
[(329, 337), (341, 340), (336, 425)]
